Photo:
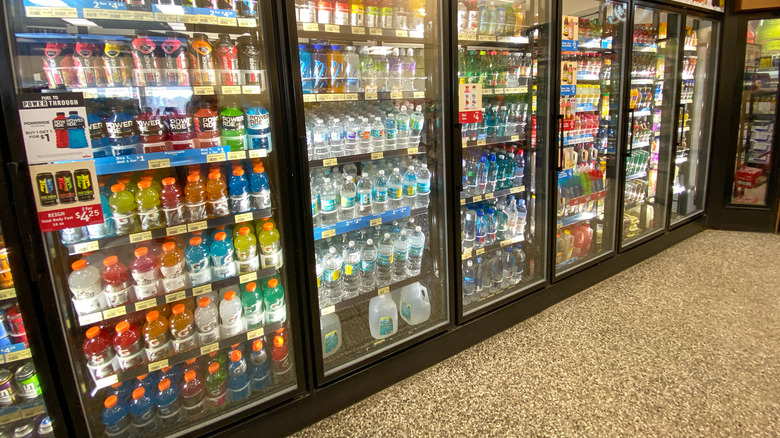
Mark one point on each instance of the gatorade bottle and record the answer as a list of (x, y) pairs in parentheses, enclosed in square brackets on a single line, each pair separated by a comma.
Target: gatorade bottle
[(149, 176), (258, 129), (129, 186), (238, 377), (198, 263), (202, 60), (98, 136), (123, 133), (156, 340), (260, 189), (281, 366), (146, 273), (239, 192), (191, 364), (143, 411), (145, 58), (154, 137), (273, 297), (270, 247), (217, 192), (60, 124), (246, 251), (115, 417), (168, 402), (77, 137), (172, 268), (148, 200), (227, 59), (250, 61), (175, 61), (252, 303), (230, 314), (101, 360), (173, 373), (193, 395), (116, 281), (259, 369), (172, 202), (122, 205), (216, 385), (207, 321), (116, 58), (206, 127), (128, 345), (233, 128), (182, 329), (195, 196), (87, 288), (222, 257), (182, 129)]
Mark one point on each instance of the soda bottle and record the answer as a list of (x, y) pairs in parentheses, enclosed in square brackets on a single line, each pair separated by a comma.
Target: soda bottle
[(115, 417), (246, 251), (258, 129), (116, 281), (230, 313), (222, 257), (195, 196), (238, 377), (227, 59), (123, 210), (216, 385), (193, 394), (117, 64), (233, 128), (175, 61), (57, 64), (198, 263), (260, 190), (273, 299), (154, 137), (145, 58), (206, 127), (87, 288), (172, 268), (270, 247), (148, 200), (202, 60), (182, 129), (101, 360), (158, 345), (281, 365), (168, 402), (172, 202), (207, 322), (252, 303), (123, 133), (128, 345), (182, 329), (250, 61), (217, 192), (239, 192)]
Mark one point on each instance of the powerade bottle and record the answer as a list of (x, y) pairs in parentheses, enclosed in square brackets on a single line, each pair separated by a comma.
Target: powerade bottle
[(123, 132), (238, 377), (319, 60), (86, 59), (56, 63), (259, 188), (247, 8), (116, 58), (77, 138), (258, 129), (145, 57), (175, 61), (227, 59), (202, 60), (98, 136), (304, 58), (259, 368), (239, 192), (233, 128), (250, 61), (60, 125), (154, 137)]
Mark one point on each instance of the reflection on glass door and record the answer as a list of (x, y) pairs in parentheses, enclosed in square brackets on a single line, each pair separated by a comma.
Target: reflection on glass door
[(695, 118), (592, 35), (650, 120)]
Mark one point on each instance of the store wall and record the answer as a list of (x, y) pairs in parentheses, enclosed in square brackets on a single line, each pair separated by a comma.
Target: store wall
[(748, 5)]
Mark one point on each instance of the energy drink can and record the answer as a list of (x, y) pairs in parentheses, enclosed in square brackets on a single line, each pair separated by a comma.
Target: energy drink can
[(86, 59), (85, 191), (66, 190), (116, 61), (56, 64), (15, 325), (247, 9), (249, 60), (7, 391), (46, 190), (5, 341), (145, 57), (202, 60), (27, 381), (175, 60), (227, 55)]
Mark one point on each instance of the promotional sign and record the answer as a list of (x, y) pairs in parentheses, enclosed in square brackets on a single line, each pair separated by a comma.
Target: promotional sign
[(54, 127), (470, 103), (569, 33), (569, 78), (66, 195)]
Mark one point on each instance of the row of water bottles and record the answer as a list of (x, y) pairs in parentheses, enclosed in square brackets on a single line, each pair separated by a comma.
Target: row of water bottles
[(492, 273), (485, 224), (499, 119), (362, 268), (362, 130), (492, 170)]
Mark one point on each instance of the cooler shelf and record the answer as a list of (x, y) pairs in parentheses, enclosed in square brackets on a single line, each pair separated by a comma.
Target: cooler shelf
[(329, 162), (372, 220), (467, 254), (162, 160), (491, 195)]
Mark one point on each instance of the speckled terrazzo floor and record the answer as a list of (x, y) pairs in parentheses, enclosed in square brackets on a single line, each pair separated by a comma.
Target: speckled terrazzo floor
[(687, 343)]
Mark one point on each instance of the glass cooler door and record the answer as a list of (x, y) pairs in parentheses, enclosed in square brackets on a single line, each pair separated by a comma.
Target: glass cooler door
[(156, 170)]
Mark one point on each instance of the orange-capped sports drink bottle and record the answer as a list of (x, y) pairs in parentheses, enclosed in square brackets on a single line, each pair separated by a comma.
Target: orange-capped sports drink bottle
[(195, 198), (182, 329), (172, 268), (156, 339), (217, 192), (202, 60)]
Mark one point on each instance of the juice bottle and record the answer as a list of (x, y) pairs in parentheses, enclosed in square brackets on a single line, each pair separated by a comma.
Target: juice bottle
[(193, 395), (195, 196), (182, 127), (86, 286), (116, 282), (128, 345), (252, 303), (270, 247), (217, 192), (154, 136), (222, 257), (233, 128), (206, 127), (207, 321), (101, 360), (172, 268), (122, 204), (239, 192), (216, 385), (158, 344), (281, 366), (259, 188), (148, 200), (198, 262), (182, 329), (172, 202), (246, 251)]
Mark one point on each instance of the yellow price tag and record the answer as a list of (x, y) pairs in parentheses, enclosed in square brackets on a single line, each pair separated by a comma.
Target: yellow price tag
[(412, 151), (332, 28), (80, 248), (7, 293), (113, 313), (17, 355), (481, 142), (309, 97), (311, 27), (90, 319), (141, 237), (327, 310), (254, 334), (377, 155), (383, 290), (209, 348), (488, 196), (215, 158), (174, 231), (402, 33), (477, 198), (247, 22), (145, 304), (160, 364), (197, 226), (375, 222), (462, 202), (243, 217), (330, 162), (514, 138), (246, 278), (350, 96), (487, 38), (516, 189), (177, 296), (375, 31), (159, 164), (371, 95), (250, 89), (65, 12), (231, 89), (203, 90), (226, 21), (480, 251), (358, 30), (258, 153), (396, 95), (200, 290), (419, 94), (236, 155), (328, 233)]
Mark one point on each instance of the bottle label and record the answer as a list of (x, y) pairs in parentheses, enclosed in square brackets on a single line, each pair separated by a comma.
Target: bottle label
[(233, 123), (126, 362), (331, 341), (347, 201), (124, 223), (206, 124), (182, 344), (385, 259), (415, 251), (121, 129), (417, 124), (410, 189), (423, 187), (226, 270), (401, 255), (380, 195), (356, 18), (217, 396), (246, 254), (331, 276), (341, 13), (156, 350), (180, 125), (202, 276), (395, 193), (91, 291), (364, 198), (272, 260), (372, 17), (250, 265), (368, 266), (172, 271), (406, 310), (315, 208), (98, 371), (351, 268), (387, 17), (390, 133), (328, 205), (259, 122), (352, 136), (219, 207), (117, 298), (321, 138), (377, 133), (402, 125), (386, 325)]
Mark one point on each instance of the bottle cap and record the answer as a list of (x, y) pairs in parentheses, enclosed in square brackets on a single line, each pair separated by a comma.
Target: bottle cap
[(213, 367), (195, 241), (234, 346), (193, 177), (278, 341), (166, 369), (203, 302), (117, 188), (78, 264), (273, 282), (178, 309), (257, 345), (220, 236), (251, 287), (164, 384), (122, 327), (229, 295), (235, 355), (169, 246), (138, 393), (124, 180), (190, 361), (144, 184), (93, 332), (168, 181), (268, 226), (152, 316), (215, 175), (111, 401), (189, 375), (116, 385), (244, 231), (238, 172), (142, 376), (140, 252), (258, 168)]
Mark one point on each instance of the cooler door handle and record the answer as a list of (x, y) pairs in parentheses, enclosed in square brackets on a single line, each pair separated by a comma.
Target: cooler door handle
[(560, 143)]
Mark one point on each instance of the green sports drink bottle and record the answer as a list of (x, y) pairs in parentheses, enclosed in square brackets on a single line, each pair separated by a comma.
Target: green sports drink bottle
[(233, 128)]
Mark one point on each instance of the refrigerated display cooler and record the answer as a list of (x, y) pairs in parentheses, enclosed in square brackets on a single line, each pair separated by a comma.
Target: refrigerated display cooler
[(156, 163)]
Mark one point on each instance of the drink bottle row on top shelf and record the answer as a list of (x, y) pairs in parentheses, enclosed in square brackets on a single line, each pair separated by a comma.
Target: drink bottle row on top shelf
[(385, 14), (495, 69), (491, 18), (242, 8)]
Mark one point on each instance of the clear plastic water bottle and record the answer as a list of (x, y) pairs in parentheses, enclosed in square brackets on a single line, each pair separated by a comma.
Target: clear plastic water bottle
[(501, 219), (508, 263), (511, 218), (490, 227), (482, 175), (364, 135), (469, 229), (416, 247), (395, 186), (391, 132), (332, 266), (347, 195), (417, 120), (315, 205), (328, 202), (479, 276), (352, 270), (469, 281), (368, 258), (409, 70), (379, 192), (321, 140), (472, 168), (377, 135), (336, 138), (521, 217), (517, 181), (402, 122), (351, 140), (364, 188), (351, 70), (410, 187), (385, 260), (519, 263), (423, 186), (400, 256), (492, 174), (480, 230)]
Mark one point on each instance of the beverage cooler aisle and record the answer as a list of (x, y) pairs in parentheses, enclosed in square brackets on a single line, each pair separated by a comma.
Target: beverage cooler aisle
[(175, 305), (500, 47), (370, 76)]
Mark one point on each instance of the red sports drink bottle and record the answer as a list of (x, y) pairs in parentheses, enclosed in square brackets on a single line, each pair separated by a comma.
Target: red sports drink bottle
[(227, 57), (154, 137), (145, 57), (175, 60), (86, 62), (182, 129), (56, 64)]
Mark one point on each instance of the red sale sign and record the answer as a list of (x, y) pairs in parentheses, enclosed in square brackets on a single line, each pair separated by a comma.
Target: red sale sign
[(71, 217)]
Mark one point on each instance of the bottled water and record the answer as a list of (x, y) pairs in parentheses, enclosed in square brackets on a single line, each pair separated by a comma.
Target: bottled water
[(364, 195), (501, 219), (352, 270), (508, 262), (492, 174), (511, 218), (395, 185), (478, 278), (472, 167), (482, 175), (336, 138), (380, 192), (385, 260), (521, 216), (351, 137), (480, 232), (416, 247), (351, 70), (377, 135), (368, 258), (391, 132), (408, 70), (416, 126), (396, 70), (469, 229), (402, 128), (321, 140), (519, 263), (490, 227), (328, 203), (347, 195), (400, 256), (497, 271), (410, 187), (364, 135), (315, 205), (519, 169), (332, 266), (423, 186), (469, 281)]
